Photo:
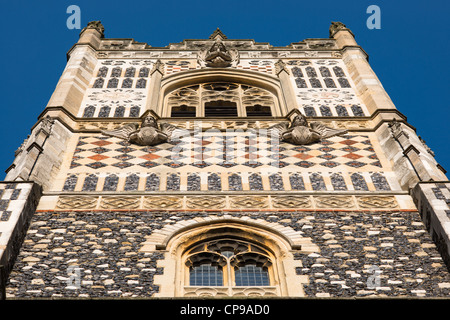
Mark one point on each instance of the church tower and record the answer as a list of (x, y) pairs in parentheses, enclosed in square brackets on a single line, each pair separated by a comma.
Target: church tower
[(223, 167)]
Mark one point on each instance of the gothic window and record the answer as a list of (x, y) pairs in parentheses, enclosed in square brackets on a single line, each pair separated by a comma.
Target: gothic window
[(297, 72), (134, 111), (221, 108), (258, 111), (357, 111), (341, 111), (119, 112), (329, 83), (130, 72), (325, 111), (143, 72), (104, 112), (228, 262), (127, 83), (311, 72), (89, 112), (344, 83), (301, 83), (141, 83), (338, 72), (116, 72), (315, 83), (98, 83), (325, 72), (183, 111), (220, 99), (112, 83), (102, 72)]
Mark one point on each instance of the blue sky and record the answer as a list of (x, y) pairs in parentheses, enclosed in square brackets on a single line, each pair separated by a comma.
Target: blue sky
[(409, 53)]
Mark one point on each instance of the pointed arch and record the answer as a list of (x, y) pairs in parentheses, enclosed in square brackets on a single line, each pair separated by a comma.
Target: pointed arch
[(177, 239)]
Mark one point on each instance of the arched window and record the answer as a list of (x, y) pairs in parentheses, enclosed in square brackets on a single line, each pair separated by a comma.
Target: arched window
[(229, 262), (220, 99)]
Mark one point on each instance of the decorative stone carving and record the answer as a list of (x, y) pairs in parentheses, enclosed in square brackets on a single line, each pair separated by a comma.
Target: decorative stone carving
[(377, 202), (163, 202), (148, 134), (336, 26), (158, 66), (299, 133), (334, 202), (97, 25), (291, 202), (280, 66), (205, 202), (218, 56), (77, 202), (120, 202), (248, 202)]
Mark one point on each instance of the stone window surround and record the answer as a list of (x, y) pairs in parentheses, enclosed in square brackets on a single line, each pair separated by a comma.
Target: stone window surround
[(175, 239)]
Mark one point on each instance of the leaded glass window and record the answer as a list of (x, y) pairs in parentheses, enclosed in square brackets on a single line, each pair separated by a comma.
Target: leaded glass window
[(228, 262)]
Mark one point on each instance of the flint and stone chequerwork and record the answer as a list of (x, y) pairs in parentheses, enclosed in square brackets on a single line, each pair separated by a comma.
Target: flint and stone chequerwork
[(221, 167)]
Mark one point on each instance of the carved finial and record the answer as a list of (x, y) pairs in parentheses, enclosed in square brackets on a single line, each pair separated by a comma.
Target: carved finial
[(336, 26), (97, 25), (158, 66), (280, 66), (217, 34)]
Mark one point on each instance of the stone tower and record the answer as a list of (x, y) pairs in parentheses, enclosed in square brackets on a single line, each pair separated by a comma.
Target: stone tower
[(221, 167)]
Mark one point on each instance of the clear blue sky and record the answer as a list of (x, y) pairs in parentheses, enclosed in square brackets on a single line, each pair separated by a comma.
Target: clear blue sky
[(409, 53)]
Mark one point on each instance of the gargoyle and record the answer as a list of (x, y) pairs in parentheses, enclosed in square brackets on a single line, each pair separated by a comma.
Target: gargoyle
[(147, 134), (218, 56), (299, 133)]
